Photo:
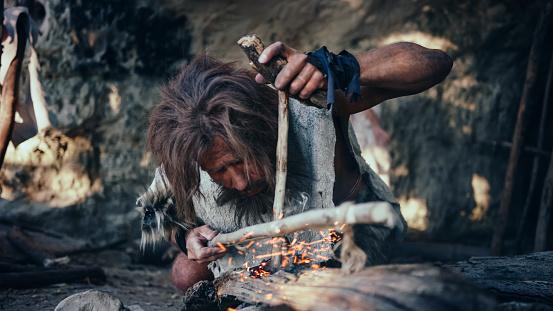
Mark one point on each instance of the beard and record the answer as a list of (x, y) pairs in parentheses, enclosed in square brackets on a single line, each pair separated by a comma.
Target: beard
[(258, 208), (249, 209)]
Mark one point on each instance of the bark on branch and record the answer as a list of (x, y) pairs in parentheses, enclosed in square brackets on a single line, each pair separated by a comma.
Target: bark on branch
[(373, 213)]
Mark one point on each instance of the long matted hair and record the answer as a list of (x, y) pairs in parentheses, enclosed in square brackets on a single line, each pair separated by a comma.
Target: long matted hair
[(206, 99)]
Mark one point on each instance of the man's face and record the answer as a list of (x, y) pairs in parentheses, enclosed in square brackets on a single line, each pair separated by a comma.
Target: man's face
[(228, 170)]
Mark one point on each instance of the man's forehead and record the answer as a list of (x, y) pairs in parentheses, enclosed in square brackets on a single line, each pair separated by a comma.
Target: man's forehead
[(218, 154)]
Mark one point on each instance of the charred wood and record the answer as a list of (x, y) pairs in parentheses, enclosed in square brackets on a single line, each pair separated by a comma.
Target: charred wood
[(465, 285)]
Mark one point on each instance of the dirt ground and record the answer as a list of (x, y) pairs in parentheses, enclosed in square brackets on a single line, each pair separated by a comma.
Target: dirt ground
[(144, 286)]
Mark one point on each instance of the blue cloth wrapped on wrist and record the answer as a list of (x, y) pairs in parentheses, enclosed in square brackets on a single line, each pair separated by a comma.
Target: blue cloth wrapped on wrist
[(342, 72)]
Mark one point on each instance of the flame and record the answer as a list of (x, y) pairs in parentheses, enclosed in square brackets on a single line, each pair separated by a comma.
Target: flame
[(260, 270), (298, 253), (221, 246)]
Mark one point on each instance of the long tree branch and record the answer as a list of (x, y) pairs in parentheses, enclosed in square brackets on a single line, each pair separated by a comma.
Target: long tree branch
[(373, 213)]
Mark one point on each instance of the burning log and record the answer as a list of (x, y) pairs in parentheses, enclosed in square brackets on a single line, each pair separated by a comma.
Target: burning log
[(466, 285), (393, 287)]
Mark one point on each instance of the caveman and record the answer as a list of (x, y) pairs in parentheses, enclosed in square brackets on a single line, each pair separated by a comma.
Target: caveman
[(214, 135)]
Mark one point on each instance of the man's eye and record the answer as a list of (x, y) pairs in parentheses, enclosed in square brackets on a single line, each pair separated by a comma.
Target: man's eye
[(220, 171), (237, 162)]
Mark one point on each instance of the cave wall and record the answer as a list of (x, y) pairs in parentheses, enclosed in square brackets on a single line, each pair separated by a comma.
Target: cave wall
[(102, 63)]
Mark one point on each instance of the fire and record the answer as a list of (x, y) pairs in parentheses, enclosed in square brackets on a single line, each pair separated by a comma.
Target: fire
[(297, 253), (260, 270)]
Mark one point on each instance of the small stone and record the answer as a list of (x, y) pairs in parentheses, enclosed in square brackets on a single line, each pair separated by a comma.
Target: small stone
[(91, 300)]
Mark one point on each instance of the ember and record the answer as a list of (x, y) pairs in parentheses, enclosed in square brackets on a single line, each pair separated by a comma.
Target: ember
[(334, 236), (260, 270)]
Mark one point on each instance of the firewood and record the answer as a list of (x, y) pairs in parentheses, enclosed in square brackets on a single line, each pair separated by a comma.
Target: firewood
[(465, 285), (392, 287), (348, 213)]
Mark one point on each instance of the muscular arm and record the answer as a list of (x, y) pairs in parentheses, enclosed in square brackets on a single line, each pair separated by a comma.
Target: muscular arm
[(396, 70), (388, 72)]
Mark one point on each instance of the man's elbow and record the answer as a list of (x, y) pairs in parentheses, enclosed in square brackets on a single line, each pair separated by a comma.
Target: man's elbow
[(442, 64), (428, 66)]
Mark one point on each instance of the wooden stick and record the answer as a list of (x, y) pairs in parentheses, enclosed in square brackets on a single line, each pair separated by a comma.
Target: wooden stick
[(546, 209), (281, 171), (518, 135), (10, 89), (252, 47), (536, 160), (372, 213)]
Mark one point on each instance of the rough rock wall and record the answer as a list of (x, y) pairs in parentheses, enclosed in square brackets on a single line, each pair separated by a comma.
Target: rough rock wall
[(102, 62)]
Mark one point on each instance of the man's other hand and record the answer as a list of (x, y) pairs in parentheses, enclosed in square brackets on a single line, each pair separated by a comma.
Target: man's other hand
[(298, 76), (196, 245)]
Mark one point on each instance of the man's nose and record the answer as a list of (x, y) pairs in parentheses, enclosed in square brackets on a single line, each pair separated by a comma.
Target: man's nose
[(238, 179)]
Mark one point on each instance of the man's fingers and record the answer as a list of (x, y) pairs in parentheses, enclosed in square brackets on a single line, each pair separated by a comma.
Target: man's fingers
[(259, 79), (207, 232), (276, 48), (295, 64), (210, 259), (302, 79), (203, 252), (207, 252), (312, 85)]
